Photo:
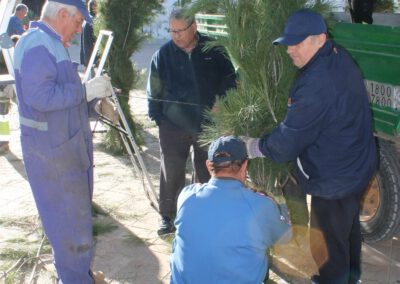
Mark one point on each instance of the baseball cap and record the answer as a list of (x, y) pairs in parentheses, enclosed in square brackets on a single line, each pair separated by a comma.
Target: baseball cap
[(227, 149), (300, 25), (80, 4)]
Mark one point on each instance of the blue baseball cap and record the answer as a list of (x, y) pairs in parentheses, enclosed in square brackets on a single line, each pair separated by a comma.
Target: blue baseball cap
[(227, 149), (79, 4), (300, 25)]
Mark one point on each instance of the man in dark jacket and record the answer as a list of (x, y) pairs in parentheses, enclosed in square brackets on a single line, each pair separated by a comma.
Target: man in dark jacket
[(361, 11), (327, 131), (184, 80)]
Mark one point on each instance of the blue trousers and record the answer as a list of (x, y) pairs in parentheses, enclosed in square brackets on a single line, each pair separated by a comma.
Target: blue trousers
[(61, 183)]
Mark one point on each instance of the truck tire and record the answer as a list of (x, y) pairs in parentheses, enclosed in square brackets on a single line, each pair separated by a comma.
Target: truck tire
[(380, 207)]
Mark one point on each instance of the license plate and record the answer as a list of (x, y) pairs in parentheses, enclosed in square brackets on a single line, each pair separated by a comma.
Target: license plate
[(384, 95)]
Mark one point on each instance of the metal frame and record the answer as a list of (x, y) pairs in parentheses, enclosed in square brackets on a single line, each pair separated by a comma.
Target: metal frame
[(6, 9), (129, 142)]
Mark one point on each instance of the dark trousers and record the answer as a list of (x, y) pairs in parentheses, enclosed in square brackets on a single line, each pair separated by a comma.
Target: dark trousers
[(174, 152), (335, 239)]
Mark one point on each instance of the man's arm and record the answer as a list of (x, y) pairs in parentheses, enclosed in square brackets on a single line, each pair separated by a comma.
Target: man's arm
[(154, 89), (274, 221), (302, 125)]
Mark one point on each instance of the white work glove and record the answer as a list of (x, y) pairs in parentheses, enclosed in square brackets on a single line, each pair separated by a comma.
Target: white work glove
[(107, 109), (98, 87), (253, 151), (7, 91)]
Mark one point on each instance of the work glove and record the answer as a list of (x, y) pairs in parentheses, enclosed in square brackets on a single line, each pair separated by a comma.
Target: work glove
[(107, 109), (253, 151), (6, 91), (98, 87)]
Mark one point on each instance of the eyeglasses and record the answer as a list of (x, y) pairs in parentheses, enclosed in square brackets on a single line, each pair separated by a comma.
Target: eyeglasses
[(179, 31)]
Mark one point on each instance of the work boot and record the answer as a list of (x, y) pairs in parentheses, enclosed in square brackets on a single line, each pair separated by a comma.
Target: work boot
[(3, 147), (99, 277), (314, 279), (166, 226)]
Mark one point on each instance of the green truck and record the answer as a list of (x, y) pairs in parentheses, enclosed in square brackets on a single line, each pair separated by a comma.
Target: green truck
[(376, 49)]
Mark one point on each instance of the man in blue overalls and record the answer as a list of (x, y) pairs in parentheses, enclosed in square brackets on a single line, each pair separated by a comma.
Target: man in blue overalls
[(56, 137)]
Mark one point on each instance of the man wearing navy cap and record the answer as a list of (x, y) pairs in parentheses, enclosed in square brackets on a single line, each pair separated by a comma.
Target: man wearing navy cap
[(56, 137), (223, 229), (327, 132)]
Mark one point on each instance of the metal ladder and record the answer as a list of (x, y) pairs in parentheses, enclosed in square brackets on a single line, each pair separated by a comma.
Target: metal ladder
[(130, 144), (6, 44)]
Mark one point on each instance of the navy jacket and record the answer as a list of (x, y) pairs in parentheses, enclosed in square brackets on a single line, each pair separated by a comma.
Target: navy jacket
[(182, 85), (327, 128)]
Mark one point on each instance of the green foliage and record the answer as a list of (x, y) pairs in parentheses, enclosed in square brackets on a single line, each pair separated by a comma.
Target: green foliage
[(133, 239), (265, 74), (384, 6), (125, 18), (100, 228), (97, 210), (20, 256)]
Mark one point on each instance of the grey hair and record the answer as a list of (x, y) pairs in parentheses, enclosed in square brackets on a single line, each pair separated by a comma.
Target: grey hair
[(51, 9), (181, 14), (20, 7)]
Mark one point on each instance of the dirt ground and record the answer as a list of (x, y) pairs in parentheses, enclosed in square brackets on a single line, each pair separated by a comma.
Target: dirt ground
[(131, 252), (128, 250), (127, 247)]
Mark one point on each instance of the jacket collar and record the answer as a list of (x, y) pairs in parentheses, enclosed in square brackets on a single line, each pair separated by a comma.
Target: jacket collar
[(325, 50), (200, 42), (46, 28), (224, 180)]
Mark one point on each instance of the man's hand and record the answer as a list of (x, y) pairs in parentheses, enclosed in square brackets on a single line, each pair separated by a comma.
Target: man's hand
[(253, 151), (107, 109), (98, 87)]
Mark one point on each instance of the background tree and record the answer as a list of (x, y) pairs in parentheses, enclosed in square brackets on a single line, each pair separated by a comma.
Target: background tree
[(125, 18), (384, 6)]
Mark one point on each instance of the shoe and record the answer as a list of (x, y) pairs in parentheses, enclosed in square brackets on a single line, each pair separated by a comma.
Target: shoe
[(4, 147), (166, 226), (314, 280), (99, 277)]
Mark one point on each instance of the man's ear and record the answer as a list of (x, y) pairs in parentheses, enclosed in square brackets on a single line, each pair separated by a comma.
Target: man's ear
[(321, 39), (208, 165), (63, 14), (244, 166), (194, 26)]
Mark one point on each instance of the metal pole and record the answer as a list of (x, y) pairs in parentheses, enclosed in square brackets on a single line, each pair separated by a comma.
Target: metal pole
[(125, 133)]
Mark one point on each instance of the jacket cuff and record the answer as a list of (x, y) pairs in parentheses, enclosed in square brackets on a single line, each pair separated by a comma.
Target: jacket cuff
[(254, 149)]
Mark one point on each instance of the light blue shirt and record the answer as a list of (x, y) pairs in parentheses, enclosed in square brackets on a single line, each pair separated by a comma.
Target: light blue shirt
[(223, 233)]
